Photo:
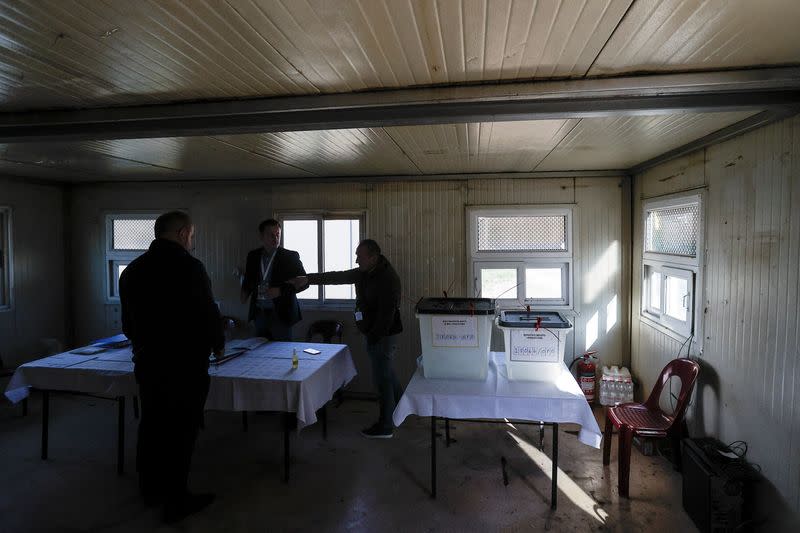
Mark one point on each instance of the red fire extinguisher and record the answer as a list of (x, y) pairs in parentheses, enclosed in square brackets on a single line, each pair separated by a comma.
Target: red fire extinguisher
[(586, 374)]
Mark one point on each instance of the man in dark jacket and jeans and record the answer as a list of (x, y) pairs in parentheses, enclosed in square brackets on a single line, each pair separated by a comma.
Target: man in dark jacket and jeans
[(378, 318), (169, 314)]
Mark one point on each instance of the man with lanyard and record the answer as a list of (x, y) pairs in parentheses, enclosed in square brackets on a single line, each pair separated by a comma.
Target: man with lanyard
[(273, 301), (378, 318)]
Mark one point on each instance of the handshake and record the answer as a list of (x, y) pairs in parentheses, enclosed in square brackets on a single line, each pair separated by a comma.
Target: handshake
[(300, 283)]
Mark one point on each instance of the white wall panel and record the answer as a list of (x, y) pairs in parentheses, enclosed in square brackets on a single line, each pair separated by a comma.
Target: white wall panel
[(751, 361), (38, 310)]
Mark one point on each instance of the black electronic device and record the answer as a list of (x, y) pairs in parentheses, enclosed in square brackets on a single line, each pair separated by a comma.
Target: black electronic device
[(716, 485)]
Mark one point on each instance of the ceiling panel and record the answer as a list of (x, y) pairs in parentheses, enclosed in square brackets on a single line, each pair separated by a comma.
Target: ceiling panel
[(346, 152), (611, 143), (118, 52), (622, 142), (73, 162), (480, 147), (90, 53), (131, 159), (680, 35)]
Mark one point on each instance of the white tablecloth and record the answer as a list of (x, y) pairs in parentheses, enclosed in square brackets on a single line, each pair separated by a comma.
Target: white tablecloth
[(263, 379), (260, 380), (557, 401)]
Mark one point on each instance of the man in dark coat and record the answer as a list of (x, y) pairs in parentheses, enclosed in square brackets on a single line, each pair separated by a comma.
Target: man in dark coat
[(169, 314), (273, 300), (378, 318)]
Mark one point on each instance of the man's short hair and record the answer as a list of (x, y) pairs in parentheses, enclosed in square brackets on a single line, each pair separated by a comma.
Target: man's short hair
[(171, 222), (269, 223), (371, 246)]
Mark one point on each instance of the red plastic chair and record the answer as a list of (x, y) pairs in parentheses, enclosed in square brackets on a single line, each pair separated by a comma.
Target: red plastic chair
[(648, 420)]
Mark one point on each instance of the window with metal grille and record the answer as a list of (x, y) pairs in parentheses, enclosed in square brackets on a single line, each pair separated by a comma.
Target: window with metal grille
[(326, 241), (521, 255), (132, 233), (522, 233), (673, 230), (6, 278), (127, 237), (671, 262)]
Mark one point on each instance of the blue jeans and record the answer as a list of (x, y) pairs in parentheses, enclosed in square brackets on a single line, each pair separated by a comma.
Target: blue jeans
[(381, 355), (270, 326)]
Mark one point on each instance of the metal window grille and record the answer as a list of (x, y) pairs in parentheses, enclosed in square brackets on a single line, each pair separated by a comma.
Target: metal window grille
[(522, 233), (673, 230), (133, 234)]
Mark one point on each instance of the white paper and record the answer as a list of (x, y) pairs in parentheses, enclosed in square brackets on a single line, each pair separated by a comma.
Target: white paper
[(534, 346), (452, 330)]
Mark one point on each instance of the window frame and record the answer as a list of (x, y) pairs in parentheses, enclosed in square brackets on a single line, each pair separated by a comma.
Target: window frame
[(320, 216), (116, 257), (673, 265), (519, 299), (660, 316), (7, 259), (563, 259)]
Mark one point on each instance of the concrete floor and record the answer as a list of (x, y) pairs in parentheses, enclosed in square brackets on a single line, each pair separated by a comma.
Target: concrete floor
[(346, 483)]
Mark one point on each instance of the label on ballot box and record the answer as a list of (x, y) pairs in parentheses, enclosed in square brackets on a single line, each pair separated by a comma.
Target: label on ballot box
[(454, 331), (534, 346)]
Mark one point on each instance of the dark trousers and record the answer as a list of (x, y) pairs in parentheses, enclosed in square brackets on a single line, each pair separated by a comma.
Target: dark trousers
[(171, 415), (381, 355), (269, 325)]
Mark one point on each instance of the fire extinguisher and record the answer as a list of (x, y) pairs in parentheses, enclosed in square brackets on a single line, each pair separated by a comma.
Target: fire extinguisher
[(586, 373)]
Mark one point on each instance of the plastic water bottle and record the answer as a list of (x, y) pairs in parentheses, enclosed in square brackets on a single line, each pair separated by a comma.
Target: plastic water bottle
[(605, 390), (295, 360), (612, 385), (627, 385), (603, 386)]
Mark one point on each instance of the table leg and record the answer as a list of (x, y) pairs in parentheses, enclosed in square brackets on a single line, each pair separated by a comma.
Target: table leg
[(339, 395), (323, 416), (45, 421), (447, 432), (244, 420), (120, 435), (135, 407), (554, 488), (286, 425), (25, 407), (433, 457), (541, 435)]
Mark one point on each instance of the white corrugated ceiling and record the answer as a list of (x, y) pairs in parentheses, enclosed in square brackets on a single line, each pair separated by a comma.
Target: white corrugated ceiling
[(72, 54)]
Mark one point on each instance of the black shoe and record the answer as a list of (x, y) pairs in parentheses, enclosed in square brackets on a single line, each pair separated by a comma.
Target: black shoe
[(377, 432), (190, 504)]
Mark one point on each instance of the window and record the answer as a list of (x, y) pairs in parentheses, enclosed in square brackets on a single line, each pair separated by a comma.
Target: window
[(671, 262), (127, 237), (521, 255), (326, 241), (6, 278)]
